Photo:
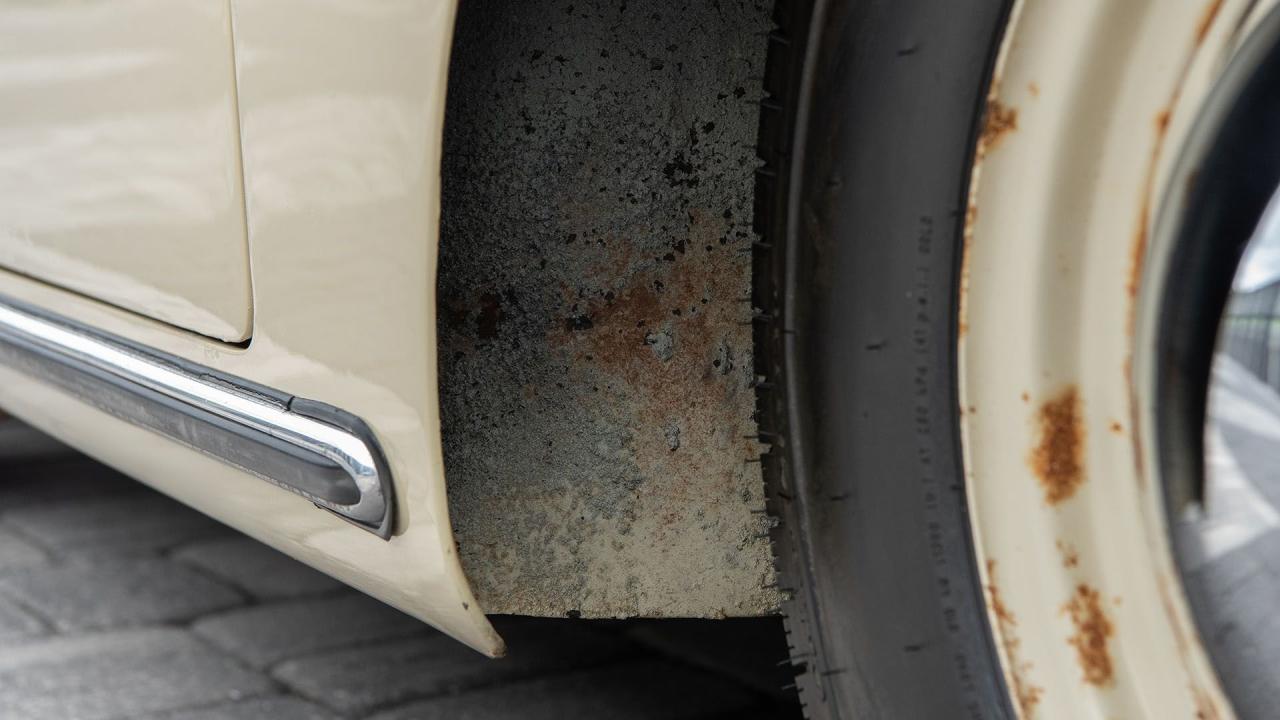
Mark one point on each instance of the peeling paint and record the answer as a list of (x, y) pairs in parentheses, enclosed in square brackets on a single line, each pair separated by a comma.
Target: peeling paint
[(1058, 458), (1026, 693)]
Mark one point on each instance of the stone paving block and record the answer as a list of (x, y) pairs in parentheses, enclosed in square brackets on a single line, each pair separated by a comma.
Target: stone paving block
[(269, 708), (746, 649), (361, 679), (132, 522), (17, 553), (107, 592), (648, 690), (265, 635), (16, 623), (257, 569), (118, 675)]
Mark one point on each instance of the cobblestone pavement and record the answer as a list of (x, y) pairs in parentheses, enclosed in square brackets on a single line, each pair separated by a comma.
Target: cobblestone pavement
[(117, 602)]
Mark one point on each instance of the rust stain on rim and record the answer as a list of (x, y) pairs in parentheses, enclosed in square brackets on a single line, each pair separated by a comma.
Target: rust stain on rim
[(1070, 556), (1058, 457), (1137, 264), (966, 237), (1138, 253), (1026, 693), (998, 121), (1206, 20), (1093, 632), (1205, 707)]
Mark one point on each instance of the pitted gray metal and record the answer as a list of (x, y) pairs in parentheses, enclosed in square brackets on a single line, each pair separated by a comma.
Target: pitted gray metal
[(594, 317)]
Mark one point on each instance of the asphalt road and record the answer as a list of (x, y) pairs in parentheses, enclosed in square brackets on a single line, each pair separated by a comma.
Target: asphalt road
[(116, 602)]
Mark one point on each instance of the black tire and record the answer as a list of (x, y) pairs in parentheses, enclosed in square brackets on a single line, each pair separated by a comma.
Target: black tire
[(867, 138)]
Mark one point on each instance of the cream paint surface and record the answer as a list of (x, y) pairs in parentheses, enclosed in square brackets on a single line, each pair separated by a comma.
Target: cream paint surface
[(341, 112), (119, 157)]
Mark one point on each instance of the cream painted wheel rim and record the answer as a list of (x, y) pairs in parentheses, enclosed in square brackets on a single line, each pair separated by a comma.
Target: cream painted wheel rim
[(1091, 102)]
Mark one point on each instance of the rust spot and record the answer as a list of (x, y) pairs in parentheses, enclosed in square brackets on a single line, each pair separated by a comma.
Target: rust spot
[(1070, 557), (1058, 458), (999, 121), (1026, 397), (1206, 20), (997, 604), (970, 220), (1162, 121), (1025, 692), (1116, 427), (1137, 261), (1092, 635), (1134, 437), (660, 342), (1205, 707), (1034, 89), (1138, 253)]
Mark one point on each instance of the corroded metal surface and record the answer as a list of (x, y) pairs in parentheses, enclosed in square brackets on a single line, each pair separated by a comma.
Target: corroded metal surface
[(595, 338)]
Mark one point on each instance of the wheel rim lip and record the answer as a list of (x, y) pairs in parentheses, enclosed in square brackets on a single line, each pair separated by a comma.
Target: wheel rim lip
[(1057, 303)]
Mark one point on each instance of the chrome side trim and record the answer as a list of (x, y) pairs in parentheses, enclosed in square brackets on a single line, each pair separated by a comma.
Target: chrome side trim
[(318, 451)]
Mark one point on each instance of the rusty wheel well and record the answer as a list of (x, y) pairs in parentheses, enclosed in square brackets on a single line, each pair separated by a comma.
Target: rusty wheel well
[(595, 348)]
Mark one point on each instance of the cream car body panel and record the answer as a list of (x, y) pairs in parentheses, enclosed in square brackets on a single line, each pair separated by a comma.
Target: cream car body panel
[(341, 112), (119, 157)]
